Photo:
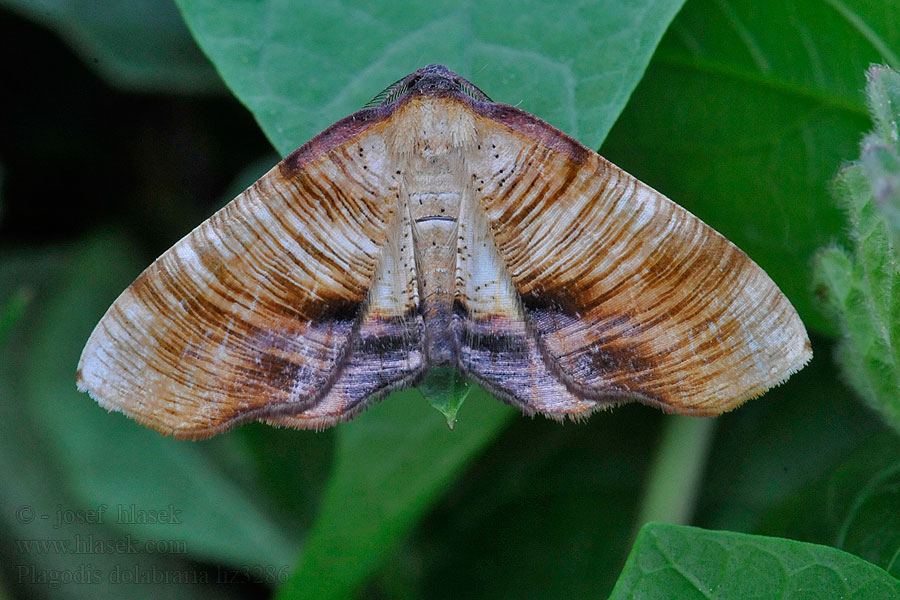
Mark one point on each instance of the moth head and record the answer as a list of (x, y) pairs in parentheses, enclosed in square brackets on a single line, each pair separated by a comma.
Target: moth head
[(433, 80)]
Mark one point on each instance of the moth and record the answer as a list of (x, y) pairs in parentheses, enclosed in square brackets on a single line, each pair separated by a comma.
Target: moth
[(439, 228)]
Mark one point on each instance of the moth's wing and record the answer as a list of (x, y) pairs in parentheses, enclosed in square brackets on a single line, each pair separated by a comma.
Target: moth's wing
[(384, 356), (386, 353), (496, 347), (254, 312), (627, 295)]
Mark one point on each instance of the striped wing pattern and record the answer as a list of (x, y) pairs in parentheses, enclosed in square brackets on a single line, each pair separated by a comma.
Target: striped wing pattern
[(253, 314), (628, 295)]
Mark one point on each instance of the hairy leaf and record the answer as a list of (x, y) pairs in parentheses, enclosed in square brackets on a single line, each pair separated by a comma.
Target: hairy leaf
[(861, 285)]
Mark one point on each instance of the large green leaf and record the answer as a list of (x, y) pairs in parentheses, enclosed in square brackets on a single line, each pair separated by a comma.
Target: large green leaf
[(36, 557), (548, 512), (133, 44), (390, 465), (745, 114), (108, 459), (670, 561), (293, 67), (299, 66)]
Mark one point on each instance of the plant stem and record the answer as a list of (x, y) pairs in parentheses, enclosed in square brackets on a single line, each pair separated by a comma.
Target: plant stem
[(676, 470)]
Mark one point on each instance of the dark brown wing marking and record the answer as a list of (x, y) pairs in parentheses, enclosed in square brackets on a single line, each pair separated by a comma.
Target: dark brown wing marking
[(495, 347), (387, 352)]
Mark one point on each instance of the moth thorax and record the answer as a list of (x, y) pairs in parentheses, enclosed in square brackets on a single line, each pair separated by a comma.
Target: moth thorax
[(434, 127)]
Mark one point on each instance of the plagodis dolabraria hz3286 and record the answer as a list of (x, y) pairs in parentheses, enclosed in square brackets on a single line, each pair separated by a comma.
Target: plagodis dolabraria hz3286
[(440, 228)]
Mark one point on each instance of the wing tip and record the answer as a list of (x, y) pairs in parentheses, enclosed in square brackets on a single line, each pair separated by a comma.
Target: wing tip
[(798, 359), (794, 360), (87, 381)]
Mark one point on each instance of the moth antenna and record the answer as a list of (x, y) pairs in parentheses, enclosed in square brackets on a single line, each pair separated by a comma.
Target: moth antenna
[(389, 94), (471, 90)]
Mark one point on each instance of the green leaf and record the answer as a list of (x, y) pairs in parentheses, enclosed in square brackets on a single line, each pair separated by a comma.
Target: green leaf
[(670, 561), (548, 512), (108, 459), (133, 44), (882, 164), (881, 149), (34, 497), (391, 464), (446, 390), (301, 66), (766, 454), (872, 528), (883, 95), (12, 309), (819, 511), (746, 112)]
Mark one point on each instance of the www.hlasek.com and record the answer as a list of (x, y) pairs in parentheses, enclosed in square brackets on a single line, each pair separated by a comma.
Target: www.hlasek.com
[(91, 544)]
